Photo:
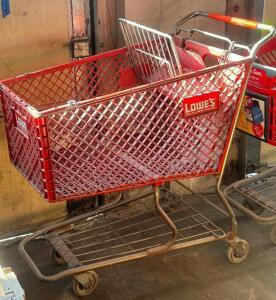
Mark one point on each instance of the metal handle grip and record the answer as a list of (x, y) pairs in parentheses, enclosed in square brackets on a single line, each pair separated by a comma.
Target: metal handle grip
[(231, 20)]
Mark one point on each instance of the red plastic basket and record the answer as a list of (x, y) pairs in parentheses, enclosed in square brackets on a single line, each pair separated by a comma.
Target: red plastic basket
[(82, 128)]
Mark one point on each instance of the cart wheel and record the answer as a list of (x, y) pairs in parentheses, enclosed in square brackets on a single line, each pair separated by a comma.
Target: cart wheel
[(238, 251), (57, 258), (85, 290), (272, 235), (254, 207)]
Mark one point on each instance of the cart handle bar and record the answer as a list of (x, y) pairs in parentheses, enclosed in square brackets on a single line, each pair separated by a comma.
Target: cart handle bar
[(231, 20)]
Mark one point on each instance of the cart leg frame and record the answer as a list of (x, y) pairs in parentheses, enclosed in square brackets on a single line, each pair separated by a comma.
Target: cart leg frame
[(167, 220)]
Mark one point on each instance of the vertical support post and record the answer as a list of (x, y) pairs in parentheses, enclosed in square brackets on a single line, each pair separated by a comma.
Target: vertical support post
[(242, 154), (106, 29), (249, 147), (45, 159), (167, 220), (80, 31)]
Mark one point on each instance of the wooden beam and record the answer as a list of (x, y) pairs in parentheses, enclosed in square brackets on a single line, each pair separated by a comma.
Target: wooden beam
[(106, 32)]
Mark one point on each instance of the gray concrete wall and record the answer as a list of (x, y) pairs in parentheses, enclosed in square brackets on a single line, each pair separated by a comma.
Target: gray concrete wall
[(163, 14)]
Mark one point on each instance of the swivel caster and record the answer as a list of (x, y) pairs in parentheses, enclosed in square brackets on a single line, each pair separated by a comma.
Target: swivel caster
[(86, 289), (238, 251)]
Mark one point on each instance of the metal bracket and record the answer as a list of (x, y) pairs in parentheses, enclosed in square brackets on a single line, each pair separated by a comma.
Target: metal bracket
[(82, 278), (166, 218)]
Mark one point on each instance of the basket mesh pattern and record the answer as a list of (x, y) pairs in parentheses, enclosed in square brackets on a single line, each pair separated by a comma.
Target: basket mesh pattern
[(50, 88), (24, 152), (135, 138), (77, 81), (142, 137), (152, 52)]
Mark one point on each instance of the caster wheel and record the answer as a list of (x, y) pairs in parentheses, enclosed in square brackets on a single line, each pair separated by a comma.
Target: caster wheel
[(238, 251), (272, 235), (57, 258), (254, 207), (85, 290)]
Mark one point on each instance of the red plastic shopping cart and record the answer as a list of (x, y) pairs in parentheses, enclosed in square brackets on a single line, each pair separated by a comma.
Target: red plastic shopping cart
[(131, 117), (255, 196)]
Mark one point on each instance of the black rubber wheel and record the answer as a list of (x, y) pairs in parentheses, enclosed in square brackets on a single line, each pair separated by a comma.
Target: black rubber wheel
[(57, 258), (238, 251), (272, 235), (86, 290)]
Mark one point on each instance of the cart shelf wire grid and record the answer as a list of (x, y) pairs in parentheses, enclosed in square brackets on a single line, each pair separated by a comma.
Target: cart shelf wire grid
[(257, 193), (154, 49), (134, 228)]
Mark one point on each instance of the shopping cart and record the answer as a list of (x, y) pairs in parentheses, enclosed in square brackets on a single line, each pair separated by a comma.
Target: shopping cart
[(255, 196), (117, 121)]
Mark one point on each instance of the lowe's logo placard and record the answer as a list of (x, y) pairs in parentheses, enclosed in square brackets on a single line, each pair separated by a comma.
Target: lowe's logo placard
[(201, 104)]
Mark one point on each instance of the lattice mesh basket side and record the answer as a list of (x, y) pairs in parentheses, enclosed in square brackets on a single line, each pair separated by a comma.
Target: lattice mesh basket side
[(142, 137), (23, 142), (96, 76)]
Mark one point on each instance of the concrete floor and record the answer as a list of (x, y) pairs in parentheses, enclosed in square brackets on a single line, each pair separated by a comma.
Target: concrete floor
[(200, 272)]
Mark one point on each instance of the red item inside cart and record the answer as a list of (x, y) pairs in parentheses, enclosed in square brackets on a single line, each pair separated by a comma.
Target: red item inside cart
[(190, 61)]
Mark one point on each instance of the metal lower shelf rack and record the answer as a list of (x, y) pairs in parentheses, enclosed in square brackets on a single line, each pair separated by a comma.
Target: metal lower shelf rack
[(136, 228), (256, 197), (150, 224)]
